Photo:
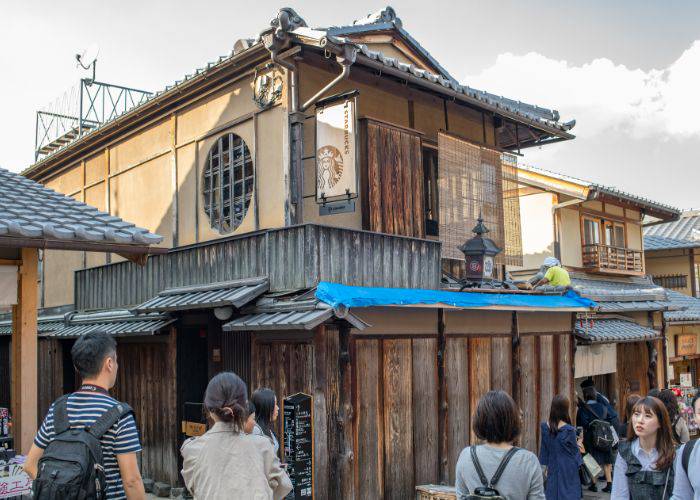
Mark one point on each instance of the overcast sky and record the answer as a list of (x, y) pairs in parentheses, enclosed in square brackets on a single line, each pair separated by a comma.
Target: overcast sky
[(628, 72)]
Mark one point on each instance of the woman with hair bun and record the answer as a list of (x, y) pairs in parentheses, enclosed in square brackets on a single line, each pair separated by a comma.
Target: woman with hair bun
[(225, 462)]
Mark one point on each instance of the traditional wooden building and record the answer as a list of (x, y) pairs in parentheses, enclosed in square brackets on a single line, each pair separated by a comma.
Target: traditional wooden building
[(306, 158), (597, 234)]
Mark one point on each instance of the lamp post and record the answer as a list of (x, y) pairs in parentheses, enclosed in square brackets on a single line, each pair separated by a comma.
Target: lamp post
[(479, 252)]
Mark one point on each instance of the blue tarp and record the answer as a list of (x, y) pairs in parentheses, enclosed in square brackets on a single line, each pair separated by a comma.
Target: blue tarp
[(335, 294)]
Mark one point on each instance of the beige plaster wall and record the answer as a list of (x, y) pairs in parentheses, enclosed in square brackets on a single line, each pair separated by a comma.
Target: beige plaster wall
[(634, 236), (537, 228), (570, 238), (659, 266)]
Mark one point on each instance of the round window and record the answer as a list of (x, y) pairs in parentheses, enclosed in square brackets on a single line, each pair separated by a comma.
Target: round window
[(228, 183)]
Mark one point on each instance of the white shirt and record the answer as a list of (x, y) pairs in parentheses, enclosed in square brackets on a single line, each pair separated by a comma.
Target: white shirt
[(620, 488)]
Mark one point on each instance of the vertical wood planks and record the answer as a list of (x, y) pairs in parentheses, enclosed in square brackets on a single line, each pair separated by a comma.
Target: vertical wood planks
[(398, 419), (548, 374), (501, 361), (565, 383), (369, 419), (529, 396), (425, 411), (479, 373), (395, 167), (458, 410)]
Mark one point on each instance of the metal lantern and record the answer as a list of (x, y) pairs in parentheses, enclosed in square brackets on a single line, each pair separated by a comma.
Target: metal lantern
[(479, 253)]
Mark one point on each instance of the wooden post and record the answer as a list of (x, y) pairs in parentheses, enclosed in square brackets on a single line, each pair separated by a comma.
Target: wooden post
[(24, 353), (691, 273), (346, 457), (516, 370), (443, 442)]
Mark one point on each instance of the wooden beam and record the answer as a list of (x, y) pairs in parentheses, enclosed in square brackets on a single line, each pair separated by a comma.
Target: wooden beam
[(10, 262), (24, 353), (693, 284)]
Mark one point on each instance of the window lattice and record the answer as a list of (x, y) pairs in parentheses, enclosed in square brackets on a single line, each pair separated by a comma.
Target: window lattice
[(672, 281), (228, 183)]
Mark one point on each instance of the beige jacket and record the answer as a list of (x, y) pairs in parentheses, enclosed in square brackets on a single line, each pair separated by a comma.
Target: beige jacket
[(225, 464)]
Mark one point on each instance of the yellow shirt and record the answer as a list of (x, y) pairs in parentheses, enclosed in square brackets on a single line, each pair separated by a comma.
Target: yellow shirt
[(557, 276)]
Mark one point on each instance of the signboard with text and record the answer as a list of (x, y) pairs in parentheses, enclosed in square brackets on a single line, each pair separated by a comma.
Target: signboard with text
[(686, 345), (299, 444), (336, 155)]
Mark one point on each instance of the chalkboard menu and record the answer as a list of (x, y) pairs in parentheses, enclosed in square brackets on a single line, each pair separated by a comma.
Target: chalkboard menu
[(299, 444)]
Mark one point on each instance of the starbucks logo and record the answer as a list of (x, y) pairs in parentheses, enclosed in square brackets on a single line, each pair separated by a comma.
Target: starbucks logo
[(330, 167)]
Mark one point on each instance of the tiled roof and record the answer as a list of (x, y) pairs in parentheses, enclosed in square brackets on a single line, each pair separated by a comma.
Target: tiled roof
[(235, 293), (596, 189), (45, 324), (120, 323), (529, 112), (681, 233), (296, 312), (612, 331), (31, 210), (687, 308), (634, 306), (626, 289)]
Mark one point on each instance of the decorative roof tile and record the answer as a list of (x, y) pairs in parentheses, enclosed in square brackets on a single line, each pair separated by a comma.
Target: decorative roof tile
[(31, 210)]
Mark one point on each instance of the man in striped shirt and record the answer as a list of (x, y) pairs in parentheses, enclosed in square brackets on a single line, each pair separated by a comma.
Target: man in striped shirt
[(95, 358)]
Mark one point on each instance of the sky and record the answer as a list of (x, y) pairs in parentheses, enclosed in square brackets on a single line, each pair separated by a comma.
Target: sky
[(627, 71)]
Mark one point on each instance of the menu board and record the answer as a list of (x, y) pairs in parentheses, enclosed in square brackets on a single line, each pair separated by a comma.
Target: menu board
[(299, 444)]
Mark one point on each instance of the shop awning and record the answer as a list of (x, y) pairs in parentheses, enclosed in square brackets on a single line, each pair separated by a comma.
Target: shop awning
[(236, 293), (119, 323), (337, 295), (291, 320), (613, 331)]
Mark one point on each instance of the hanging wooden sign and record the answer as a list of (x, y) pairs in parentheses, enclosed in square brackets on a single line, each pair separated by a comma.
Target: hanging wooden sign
[(336, 154), (686, 345)]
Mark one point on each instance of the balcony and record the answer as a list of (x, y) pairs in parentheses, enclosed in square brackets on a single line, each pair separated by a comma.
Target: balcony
[(612, 260)]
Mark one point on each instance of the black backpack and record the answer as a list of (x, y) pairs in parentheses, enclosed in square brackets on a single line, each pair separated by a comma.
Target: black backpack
[(687, 450), (488, 490), (71, 467), (602, 432)]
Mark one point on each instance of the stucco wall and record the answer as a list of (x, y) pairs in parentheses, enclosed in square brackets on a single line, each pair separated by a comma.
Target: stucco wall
[(570, 237), (537, 228), (672, 265), (153, 177)]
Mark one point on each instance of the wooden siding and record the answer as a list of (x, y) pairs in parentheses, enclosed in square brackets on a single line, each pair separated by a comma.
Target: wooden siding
[(50, 376), (5, 371), (311, 367), (293, 258), (395, 201), (146, 381)]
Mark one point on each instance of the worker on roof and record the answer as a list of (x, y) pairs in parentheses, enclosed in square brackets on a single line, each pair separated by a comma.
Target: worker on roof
[(554, 274)]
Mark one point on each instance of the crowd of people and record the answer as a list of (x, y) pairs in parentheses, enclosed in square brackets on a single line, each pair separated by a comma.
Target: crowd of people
[(650, 449), (237, 458), (87, 444)]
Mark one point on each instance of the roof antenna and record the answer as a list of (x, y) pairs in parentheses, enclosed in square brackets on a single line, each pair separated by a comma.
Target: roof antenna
[(87, 59)]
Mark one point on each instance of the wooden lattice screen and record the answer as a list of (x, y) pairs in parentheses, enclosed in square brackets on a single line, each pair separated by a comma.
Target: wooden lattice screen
[(475, 180)]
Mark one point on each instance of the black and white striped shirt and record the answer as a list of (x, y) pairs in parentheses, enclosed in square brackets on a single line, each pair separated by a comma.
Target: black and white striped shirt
[(84, 408)]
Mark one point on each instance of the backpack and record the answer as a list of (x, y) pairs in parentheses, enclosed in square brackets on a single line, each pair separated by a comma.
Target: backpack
[(488, 489), (603, 434), (71, 467)]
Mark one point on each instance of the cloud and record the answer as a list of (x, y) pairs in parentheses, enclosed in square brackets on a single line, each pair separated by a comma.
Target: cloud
[(603, 96)]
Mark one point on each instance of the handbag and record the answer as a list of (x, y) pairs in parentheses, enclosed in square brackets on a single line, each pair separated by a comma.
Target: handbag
[(591, 465), (584, 476)]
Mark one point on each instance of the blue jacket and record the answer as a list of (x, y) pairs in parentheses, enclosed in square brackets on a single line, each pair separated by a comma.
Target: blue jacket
[(560, 453)]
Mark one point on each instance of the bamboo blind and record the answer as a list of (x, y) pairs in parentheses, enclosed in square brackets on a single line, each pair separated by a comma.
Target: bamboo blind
[(477, 180)]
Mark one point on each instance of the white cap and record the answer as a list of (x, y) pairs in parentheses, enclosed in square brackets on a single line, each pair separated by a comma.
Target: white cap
[(551, 262)]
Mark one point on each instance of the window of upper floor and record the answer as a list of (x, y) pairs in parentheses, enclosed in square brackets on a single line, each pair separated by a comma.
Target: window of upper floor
[(228, 183)]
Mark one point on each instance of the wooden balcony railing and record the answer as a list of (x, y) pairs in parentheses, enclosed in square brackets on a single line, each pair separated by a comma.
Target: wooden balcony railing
[(616, 260)]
